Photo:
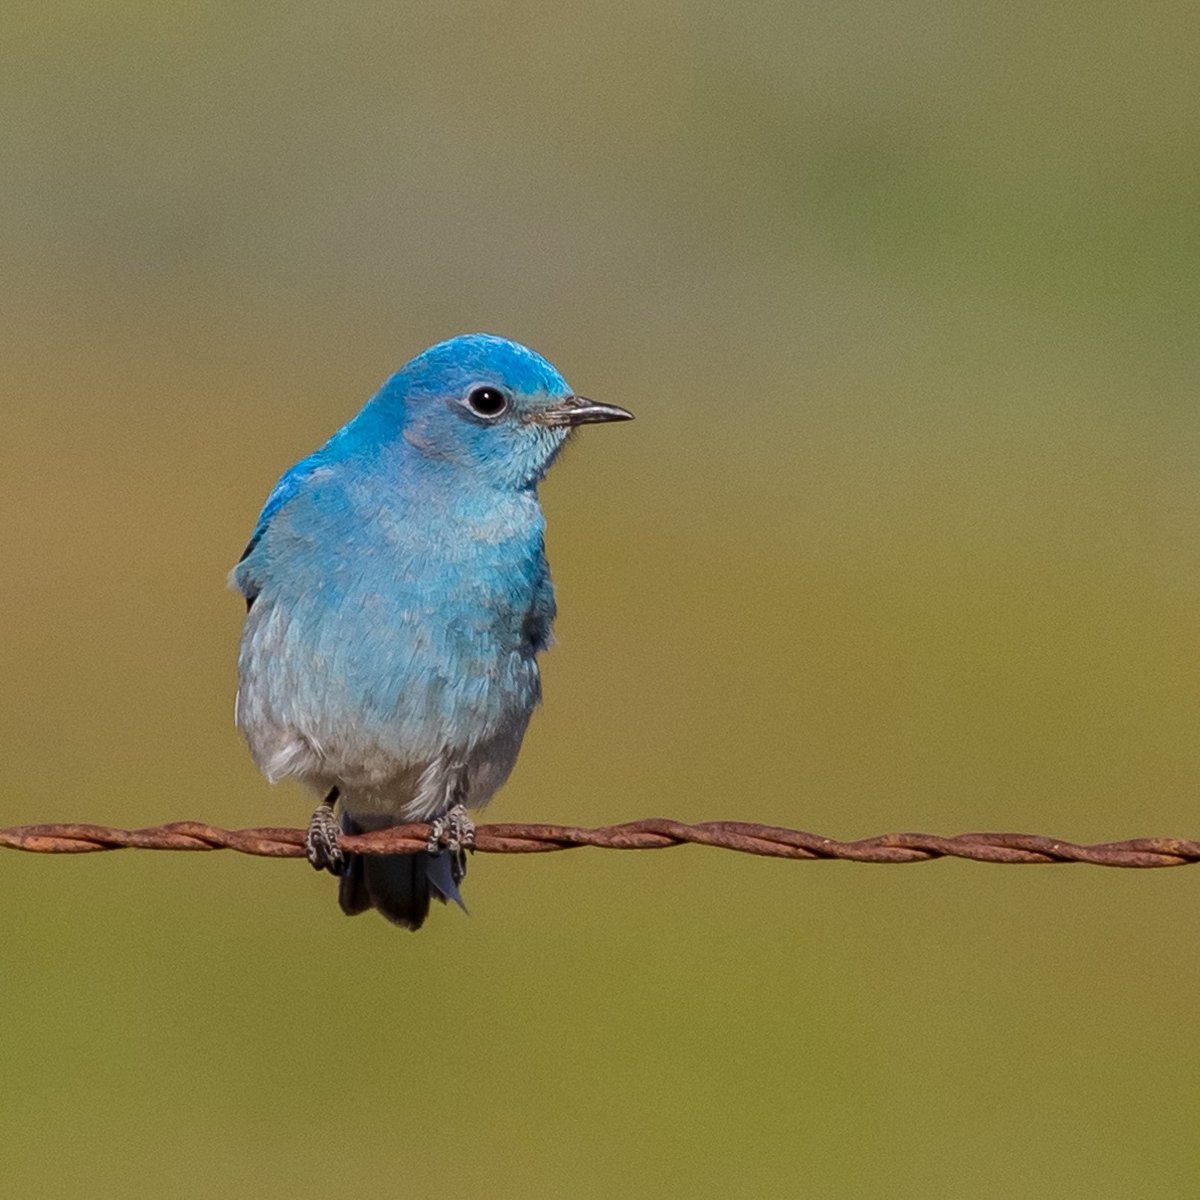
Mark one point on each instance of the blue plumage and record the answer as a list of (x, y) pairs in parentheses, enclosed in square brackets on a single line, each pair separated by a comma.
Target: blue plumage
[(398, 594)]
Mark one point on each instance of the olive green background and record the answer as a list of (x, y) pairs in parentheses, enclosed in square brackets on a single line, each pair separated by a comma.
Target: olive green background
[(905, 298)]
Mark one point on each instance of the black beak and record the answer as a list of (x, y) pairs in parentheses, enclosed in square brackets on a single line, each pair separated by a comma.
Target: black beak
[(579, 410)]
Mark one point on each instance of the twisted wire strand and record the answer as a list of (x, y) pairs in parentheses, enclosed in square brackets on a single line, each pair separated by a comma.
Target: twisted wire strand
[(653, 833)]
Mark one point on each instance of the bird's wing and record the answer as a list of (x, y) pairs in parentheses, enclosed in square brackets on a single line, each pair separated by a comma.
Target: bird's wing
[(539, 620), (244, 577)]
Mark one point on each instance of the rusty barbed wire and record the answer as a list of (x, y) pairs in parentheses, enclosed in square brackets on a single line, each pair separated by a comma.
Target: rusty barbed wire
[(651, 834)]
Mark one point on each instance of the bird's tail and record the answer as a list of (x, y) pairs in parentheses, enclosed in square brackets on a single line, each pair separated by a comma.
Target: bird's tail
[(399, 886)]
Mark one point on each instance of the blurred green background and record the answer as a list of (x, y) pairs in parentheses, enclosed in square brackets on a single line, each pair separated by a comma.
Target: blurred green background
[(905, 298)]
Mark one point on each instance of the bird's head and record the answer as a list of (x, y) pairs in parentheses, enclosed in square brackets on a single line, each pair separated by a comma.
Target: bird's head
[(489, 405)]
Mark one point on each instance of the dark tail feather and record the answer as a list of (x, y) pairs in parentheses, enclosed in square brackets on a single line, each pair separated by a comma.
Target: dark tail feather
[(398, 885), (442, 878)]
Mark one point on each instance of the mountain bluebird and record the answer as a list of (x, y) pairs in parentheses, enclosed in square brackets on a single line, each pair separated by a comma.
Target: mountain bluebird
[(397, 597)]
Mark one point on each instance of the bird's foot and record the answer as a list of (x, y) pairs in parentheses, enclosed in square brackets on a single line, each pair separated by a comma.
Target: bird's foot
[(321, 841), (453, 831)]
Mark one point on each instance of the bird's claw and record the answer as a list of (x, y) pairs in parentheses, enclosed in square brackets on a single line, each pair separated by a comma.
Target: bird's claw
[(453, 831), (321, 846)]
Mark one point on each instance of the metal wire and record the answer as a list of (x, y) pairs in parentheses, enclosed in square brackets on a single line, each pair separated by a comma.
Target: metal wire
[(651, 834)]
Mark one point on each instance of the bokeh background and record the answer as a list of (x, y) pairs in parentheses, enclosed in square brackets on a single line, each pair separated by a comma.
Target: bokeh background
[(904, 295)]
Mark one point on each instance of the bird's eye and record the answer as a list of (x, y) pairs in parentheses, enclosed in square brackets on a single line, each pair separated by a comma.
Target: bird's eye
[(487, 402)]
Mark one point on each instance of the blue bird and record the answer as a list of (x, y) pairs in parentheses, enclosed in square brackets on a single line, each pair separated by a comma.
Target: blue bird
[(397, 597)]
